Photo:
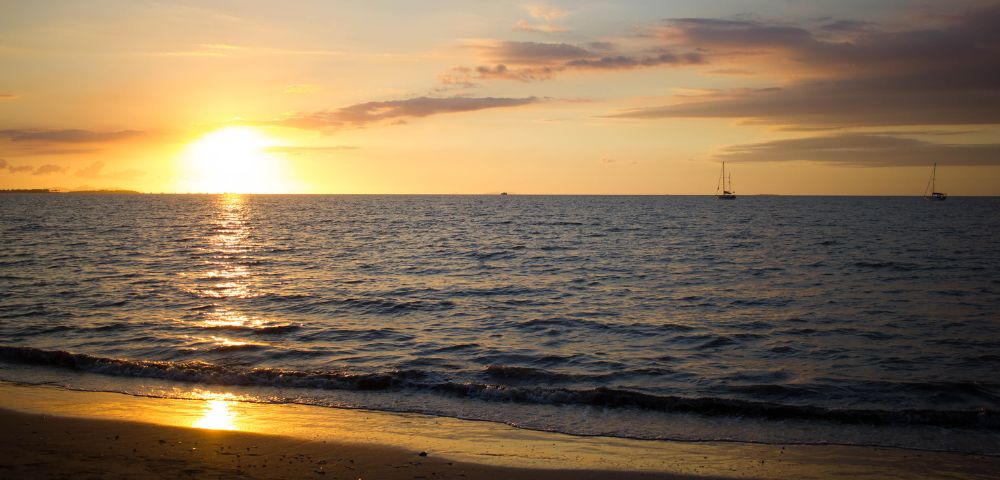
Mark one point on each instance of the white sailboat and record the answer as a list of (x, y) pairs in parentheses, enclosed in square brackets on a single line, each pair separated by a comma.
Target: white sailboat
[(727, 191), (934, 195)]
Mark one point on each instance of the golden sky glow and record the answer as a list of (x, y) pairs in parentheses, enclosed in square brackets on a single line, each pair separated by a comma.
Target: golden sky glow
[(638, 97)]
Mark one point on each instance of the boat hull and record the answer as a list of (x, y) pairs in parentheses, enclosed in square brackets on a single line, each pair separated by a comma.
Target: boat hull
[(725, 197)]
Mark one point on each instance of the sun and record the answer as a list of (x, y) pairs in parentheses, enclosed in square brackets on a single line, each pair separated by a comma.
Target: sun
[(234, 160)]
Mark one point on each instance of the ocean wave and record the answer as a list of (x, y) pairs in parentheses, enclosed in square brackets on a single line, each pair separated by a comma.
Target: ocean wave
[(525, 374), (600, 397)]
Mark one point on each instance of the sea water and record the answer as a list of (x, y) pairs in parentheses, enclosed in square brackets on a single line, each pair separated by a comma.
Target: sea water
[(857, 320)]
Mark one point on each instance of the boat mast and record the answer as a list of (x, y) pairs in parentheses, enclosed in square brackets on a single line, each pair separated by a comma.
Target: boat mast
[(933, 174)]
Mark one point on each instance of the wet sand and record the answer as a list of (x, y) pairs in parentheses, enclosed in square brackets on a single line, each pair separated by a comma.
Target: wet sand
[(40, 446), (54, 433)]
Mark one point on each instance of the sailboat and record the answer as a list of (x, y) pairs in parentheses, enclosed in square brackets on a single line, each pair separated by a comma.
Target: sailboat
[(935, 196), (727, 192)]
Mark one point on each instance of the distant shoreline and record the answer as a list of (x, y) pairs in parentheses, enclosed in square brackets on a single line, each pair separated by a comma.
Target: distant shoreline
[(89, 192)]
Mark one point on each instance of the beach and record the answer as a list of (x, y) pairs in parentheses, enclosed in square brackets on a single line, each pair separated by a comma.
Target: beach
[(54, 433)]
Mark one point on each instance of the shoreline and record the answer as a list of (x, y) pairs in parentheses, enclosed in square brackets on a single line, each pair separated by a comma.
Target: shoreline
[(37, 445), (56, 430)]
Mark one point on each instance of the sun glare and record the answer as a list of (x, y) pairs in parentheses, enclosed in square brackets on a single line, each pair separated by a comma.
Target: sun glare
[(217, 416), (235, 160)]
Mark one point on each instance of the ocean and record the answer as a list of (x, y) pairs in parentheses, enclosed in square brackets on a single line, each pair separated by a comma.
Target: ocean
[(831, 320)]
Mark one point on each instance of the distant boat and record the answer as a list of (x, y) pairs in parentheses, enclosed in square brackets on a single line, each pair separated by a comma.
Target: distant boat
[(503, 193), (934, 196), (727, 191)]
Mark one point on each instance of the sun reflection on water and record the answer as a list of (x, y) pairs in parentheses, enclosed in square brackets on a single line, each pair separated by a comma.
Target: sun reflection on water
[(223, 317), (230, 244)]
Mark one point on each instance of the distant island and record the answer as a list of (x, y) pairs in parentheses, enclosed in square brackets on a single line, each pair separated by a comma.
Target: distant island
[(89, 192), (107, 192)]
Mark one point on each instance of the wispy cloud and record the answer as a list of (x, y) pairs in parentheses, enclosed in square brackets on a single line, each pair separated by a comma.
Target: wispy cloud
[(373, 112), (96, 170), (526, 26), (542, 20), (535, 61), (41, 170), (67, 136), (848, 25), (48, 169), (545, 12), (7, 96), (864, 149), (534, 53)]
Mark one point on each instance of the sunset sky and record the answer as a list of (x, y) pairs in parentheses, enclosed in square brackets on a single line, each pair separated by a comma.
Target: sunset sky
[(601, 97)]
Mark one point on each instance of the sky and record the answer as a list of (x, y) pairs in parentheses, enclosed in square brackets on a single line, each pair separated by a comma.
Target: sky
[(798, 97)]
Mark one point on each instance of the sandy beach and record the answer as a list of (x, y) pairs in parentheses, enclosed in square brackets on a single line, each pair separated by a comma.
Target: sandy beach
[(54, 433), (40, 446)]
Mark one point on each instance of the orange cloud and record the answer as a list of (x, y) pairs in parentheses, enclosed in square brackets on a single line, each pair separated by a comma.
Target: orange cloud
[(371, 112)]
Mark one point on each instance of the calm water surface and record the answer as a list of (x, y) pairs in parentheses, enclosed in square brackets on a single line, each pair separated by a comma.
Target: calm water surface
[(777, 319)]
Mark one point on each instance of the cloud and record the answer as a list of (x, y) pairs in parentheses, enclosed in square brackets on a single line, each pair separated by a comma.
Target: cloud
[(525, 26), (864, 149), (535, 61), (42, 170), (7, 96), (943, 75), (92, 171), (545, 12), (48, 169), (96, 170), (847, 25), (372, 112), (468, 76), (622, 62), (67, 136), (876, 102), (20, 168), (535, 53)]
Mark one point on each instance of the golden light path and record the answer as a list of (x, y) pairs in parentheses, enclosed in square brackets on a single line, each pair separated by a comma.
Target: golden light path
[(235, 160)]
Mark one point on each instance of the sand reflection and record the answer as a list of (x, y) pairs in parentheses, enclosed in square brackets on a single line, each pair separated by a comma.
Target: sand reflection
[(218, 415)]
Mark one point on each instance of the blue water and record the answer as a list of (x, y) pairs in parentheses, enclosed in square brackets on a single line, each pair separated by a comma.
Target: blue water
[(806, 319)]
